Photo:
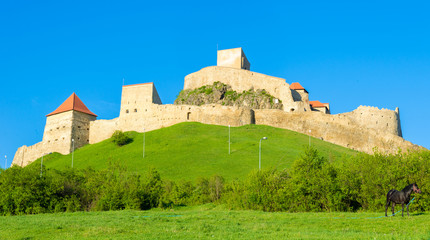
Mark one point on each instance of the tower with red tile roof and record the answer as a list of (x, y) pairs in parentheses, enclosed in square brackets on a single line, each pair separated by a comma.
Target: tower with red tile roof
[(70, 121)]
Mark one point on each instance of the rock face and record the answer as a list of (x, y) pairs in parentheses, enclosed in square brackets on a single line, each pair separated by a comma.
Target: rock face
[(223, 94)]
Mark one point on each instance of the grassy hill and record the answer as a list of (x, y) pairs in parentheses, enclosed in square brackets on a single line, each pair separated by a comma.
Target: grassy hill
[(192, 150)]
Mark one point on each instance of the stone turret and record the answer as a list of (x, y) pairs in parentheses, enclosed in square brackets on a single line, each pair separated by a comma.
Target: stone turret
[(234, 58), (71, 120)]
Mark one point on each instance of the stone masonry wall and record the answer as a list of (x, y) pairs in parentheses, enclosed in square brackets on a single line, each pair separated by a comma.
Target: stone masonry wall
[(57, 136), (243, 80), (58, 132), (25, 155), (102, 129), (343, 129), (157, 116)]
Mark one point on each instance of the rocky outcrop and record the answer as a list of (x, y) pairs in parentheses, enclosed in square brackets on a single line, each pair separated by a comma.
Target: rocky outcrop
[(223, 94)]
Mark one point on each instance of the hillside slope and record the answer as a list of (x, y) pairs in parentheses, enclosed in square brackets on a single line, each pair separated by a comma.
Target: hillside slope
[(192, 150)]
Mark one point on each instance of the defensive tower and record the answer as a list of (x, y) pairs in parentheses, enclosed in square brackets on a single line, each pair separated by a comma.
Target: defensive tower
[(71, 120), (234, 58)]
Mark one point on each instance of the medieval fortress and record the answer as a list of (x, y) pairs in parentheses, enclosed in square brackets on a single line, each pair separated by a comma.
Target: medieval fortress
[(73, 125)]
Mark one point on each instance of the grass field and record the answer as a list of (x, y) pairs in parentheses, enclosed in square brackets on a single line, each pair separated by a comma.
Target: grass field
[(213, 222), (191, 150)]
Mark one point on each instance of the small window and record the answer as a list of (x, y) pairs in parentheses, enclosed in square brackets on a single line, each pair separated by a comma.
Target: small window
[(188, 115), (292, 109), (135, 110), (126, 111)]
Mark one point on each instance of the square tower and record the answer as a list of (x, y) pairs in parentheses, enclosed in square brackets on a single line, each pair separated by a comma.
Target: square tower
[(71, 120), (136, 97), (234, 58)]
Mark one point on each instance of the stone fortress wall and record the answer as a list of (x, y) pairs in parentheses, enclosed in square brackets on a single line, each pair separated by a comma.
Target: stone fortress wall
[(243, 80), (59, 131), (142, 110)]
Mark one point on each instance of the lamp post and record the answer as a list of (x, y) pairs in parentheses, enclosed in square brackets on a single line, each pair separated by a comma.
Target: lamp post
[(73, 149), (259, 162), (5, 162), (143, 142), (228, 139)]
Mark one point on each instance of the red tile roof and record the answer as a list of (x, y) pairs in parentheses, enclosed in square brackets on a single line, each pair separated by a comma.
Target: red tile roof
[(296, 86), (72, 103), (317, 104)]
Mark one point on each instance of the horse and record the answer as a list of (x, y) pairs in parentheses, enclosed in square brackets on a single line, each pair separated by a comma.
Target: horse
[(397, 197)]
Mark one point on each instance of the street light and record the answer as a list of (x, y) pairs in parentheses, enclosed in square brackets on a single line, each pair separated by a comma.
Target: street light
[(143, 142), (259, 162), (228, 139), (73, 149)]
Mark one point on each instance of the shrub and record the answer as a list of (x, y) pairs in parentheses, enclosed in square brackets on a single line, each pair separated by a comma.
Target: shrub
[(120, 138)]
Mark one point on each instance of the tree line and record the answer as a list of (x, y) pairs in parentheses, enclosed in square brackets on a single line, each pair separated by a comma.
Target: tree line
[(313, 183)]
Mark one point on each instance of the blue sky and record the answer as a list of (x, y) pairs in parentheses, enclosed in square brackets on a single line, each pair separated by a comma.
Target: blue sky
[(374, 53)]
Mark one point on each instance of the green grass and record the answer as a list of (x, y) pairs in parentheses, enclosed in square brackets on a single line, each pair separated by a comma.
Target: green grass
[(214, 222), (192, 150)]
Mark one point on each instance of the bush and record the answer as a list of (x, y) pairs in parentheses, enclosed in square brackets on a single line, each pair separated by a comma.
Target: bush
[(312, 184), (120, 138)]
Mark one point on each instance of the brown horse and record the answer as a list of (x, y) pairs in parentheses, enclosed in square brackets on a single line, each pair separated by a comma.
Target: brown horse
[(404, 196)]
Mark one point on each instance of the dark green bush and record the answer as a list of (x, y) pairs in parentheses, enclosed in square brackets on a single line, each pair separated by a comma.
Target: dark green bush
[(312, 184), (120, 138)]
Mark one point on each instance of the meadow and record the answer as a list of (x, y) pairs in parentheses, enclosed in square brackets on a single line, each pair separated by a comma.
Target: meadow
[(211, 221), (190, 150)]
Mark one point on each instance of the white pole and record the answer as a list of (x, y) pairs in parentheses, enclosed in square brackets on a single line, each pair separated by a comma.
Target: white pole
[(259, 159), (73, 150), (259, 156), (5, 162), (228, 139), (143, 142)]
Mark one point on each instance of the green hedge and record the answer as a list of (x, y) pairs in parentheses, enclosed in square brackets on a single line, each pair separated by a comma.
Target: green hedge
[(312, 184)]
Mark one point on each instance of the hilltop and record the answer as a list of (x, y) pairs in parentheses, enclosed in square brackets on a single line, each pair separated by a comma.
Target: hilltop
[(228, 94), (191, 150)]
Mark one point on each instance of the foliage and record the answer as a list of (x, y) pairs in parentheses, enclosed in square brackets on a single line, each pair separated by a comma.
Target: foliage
[(313, 183), (120, 138)]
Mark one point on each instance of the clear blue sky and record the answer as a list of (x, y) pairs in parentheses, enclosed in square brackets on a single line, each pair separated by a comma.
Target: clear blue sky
[(373, 53)]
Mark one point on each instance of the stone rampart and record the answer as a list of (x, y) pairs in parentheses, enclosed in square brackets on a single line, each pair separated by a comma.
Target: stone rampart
[(380, 120), (102, 129), (341, 129), (243, 80), (156, 116), (27, 154)]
